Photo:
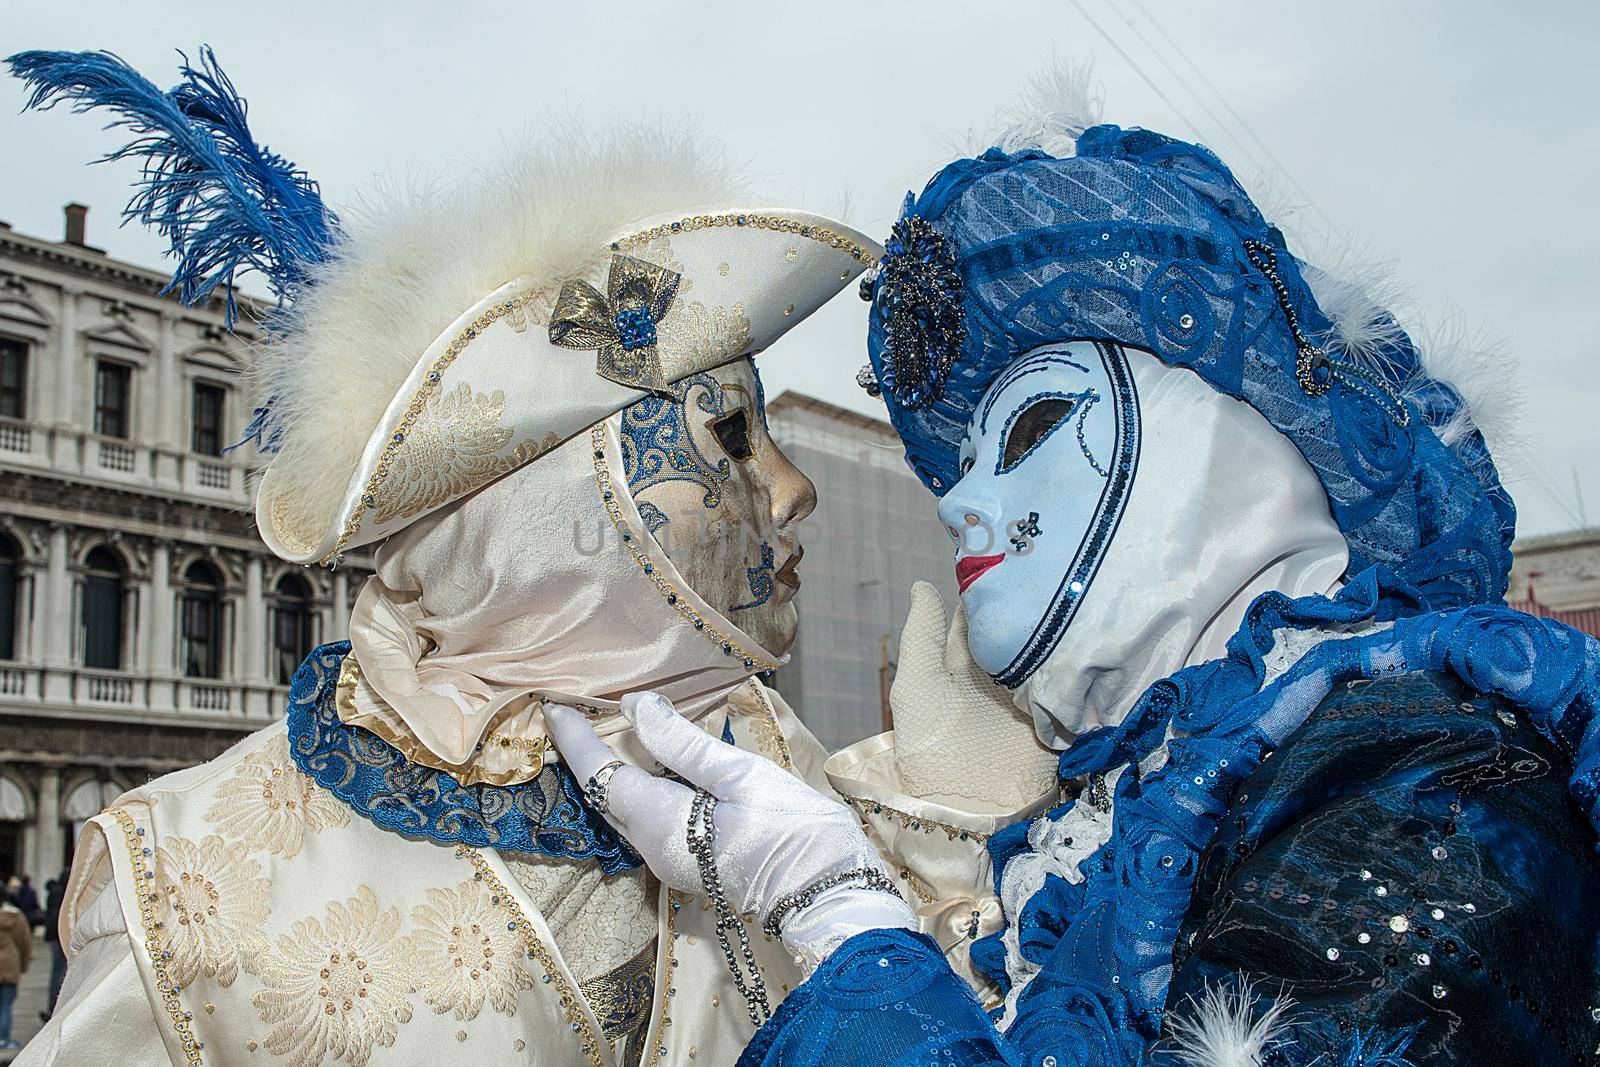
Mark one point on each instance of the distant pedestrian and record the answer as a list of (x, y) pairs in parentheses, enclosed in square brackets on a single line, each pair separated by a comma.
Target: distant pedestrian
[(27, 901), (55, 891), (16, 946)]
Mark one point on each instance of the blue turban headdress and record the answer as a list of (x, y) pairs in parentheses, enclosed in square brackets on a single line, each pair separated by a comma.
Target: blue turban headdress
[(1148, 241)]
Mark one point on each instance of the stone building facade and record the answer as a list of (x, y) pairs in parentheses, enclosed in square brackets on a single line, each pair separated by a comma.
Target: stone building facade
[(1558, 576), (874, 533), (144, 627)]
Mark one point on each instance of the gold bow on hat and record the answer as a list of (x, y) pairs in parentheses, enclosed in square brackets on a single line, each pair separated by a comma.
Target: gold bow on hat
[(620, 325)]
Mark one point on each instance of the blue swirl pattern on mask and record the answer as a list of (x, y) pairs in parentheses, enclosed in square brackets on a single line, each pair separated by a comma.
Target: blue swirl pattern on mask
[(1140, 239), (545, 816), (654, 518), (658, 445), (1106, 946)]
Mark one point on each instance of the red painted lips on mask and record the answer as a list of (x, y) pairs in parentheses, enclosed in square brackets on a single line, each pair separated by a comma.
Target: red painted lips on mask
[(970, 568)]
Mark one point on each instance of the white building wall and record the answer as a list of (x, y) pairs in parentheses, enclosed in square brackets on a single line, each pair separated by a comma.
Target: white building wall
[(153, 501)]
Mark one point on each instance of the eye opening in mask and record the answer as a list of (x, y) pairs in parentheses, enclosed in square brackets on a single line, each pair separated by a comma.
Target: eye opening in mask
[(1033, 425), (733, 434)]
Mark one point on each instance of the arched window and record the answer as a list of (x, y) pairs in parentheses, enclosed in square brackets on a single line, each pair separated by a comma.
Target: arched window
[(83, 802), (292, 616), (202, 621), (14, 816), (103, 582), (10, 573)]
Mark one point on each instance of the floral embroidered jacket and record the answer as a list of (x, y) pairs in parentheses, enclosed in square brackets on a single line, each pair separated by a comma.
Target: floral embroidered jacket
[(241, 912)]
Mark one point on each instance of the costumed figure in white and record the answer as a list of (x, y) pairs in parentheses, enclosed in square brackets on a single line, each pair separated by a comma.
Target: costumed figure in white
[(1231, 555), (532, 393)]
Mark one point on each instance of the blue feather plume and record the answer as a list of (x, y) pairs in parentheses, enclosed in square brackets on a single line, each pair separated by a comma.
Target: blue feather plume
[(227, 205), (1376, 1048)]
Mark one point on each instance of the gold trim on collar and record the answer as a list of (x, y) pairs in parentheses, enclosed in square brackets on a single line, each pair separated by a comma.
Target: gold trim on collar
[(533, 749)]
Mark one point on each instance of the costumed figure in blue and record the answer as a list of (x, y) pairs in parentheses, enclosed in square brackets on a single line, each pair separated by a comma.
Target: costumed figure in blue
[(526, 402), (1238, 555)]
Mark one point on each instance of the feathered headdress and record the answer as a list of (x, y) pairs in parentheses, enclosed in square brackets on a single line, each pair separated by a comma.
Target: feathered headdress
[(443, 337)]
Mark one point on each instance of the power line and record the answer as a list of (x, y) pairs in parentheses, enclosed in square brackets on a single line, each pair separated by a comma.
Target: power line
[(1540, 482), (1223, 100), (1221, 125), (1126, 58)]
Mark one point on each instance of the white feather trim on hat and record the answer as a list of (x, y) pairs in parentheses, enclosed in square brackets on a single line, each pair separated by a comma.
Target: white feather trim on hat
[(1365, 300), (1057, 106), (414, 256)]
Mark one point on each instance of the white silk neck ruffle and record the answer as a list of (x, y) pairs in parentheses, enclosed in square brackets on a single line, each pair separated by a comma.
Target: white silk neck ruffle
[(1222, 509), (521, 591)]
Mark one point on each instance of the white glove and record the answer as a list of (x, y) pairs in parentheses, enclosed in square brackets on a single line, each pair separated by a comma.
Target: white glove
[(775, 835), (958, 737)]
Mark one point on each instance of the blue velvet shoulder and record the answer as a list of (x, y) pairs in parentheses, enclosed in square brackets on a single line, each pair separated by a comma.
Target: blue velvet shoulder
[(545, 816)]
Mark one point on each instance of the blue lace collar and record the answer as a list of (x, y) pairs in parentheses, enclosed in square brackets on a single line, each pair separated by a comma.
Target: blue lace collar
[(545, 816)]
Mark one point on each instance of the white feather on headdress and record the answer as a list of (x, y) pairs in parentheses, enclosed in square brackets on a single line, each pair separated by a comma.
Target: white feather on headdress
[(1366, 302), (415, 256), (1056, 107)]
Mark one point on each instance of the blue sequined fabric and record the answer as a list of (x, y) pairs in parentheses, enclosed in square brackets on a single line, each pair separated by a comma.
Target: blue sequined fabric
[(1106, 945), (1142, 239), (545, 816), (1409, 859)]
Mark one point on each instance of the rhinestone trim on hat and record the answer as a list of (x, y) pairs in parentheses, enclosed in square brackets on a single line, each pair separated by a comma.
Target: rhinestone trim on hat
[(1312, 366), (519, 924), (608, 497), (430, 383), (144, 891), (762, 222)]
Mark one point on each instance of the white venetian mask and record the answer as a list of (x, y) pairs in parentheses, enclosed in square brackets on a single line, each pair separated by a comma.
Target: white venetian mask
[(1047, 465)]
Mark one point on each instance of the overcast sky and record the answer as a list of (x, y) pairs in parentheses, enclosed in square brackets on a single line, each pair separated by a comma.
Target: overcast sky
[(1455, 138)]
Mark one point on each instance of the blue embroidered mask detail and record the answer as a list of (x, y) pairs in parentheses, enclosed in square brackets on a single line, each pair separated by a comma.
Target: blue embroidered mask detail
[(1047, 467), (719, 497), (658, 445), (760, 579), (654, 518)]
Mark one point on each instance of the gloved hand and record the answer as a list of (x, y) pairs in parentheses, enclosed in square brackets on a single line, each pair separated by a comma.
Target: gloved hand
[(958, 737), (775, 835)]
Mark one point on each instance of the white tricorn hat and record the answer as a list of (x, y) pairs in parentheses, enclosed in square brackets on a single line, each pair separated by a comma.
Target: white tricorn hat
[(439, 337), (579, 322)]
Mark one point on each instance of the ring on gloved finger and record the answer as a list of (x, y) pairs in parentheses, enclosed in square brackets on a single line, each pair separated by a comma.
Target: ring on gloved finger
[(594, 790)]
